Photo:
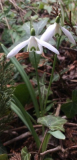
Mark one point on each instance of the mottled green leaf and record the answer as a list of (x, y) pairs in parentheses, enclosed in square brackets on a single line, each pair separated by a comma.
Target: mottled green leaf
[(57, 134), (38, 26), (25, 155), (52, 122)]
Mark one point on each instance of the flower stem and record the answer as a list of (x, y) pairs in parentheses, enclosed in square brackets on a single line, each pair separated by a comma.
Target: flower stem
[(38, 82), (52, 73)]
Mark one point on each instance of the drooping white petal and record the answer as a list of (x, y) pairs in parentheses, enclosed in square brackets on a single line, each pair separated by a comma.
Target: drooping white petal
[(49, 33), (40, 49), (68, 34), (47, 45), (16, 49)]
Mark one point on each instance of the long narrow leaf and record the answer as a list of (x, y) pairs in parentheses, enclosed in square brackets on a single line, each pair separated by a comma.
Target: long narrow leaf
[(26, 80), (22, 108), (26, 120), (45, 143)]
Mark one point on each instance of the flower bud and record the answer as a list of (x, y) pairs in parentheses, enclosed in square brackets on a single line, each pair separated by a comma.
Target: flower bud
[(32, 32), (57, 19)]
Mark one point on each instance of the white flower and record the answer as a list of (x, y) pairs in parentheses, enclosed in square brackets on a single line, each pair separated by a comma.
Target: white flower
[(34, 44), (54, 29)]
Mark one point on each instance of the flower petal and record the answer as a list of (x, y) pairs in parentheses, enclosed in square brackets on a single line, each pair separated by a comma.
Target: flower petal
[(47, 45), (68, 34), (16, 49), (49, 33), (40, 49), (32, 43)]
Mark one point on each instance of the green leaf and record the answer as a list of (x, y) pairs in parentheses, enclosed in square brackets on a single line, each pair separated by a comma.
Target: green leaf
[(28, 14), (52, 122), (34, 60), (25, 155), (57, 134), (3, 157), (48, 8), (45, 142), (49, 106), (18, 103), (34, 17), (20, 111), (74, 96), (25, 79), (22, 93), (41, 5), (70, 109), (26, 27), (56, 77), (38, 26)]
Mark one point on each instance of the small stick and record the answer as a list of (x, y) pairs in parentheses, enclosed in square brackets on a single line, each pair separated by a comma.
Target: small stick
[(58, 110), (24, 135), (71, 124), (52, 150)]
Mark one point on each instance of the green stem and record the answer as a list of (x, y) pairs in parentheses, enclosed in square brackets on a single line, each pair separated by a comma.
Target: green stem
[(36, 69), (52, 73)]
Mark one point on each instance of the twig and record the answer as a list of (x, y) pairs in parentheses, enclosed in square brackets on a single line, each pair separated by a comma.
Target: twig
[(71, 124), (58, 110), (24, 127), (24, 135), (72, 147), (16, 6), (52, 150), (70, 49)]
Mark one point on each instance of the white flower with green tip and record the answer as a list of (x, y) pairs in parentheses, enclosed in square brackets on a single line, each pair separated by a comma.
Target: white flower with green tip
[(54, 29), (34, 44)]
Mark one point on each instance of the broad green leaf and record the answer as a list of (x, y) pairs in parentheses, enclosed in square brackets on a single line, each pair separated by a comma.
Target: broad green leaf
[(41, 5), (74, 95), (34, 59), (25, 155), (57, 134), (56, 77), (70, 109), (38, 26), (28, 14), (48, 8), (52, 122), (26, 27), (22, 93), (25, 79), (34, 17)]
